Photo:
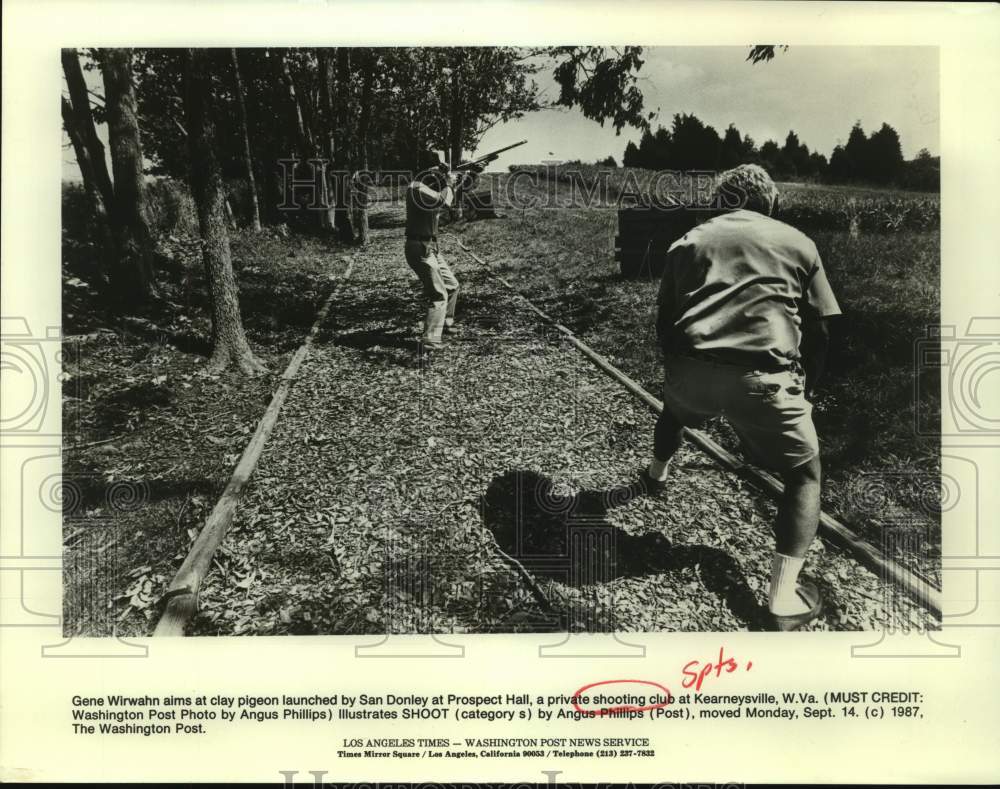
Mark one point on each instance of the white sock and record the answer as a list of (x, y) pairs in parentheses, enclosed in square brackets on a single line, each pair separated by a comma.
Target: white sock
[(658, 470), (783, 598)]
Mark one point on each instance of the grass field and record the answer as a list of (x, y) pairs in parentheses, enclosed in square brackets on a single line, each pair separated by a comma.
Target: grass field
[(882, 253), (808, 206)]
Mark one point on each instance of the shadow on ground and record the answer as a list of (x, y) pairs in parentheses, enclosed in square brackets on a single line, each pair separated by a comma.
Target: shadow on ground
[(385, 346), (373, 310), (567, 536)]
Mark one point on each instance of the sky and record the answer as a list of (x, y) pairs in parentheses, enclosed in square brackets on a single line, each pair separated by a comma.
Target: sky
[(817, 91)]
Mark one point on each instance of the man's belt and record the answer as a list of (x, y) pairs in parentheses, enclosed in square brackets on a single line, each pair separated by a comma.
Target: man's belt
[(760, 363), (421, 238)]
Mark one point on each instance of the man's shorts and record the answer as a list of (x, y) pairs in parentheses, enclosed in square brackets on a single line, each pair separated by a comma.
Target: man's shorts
[(768, 410)]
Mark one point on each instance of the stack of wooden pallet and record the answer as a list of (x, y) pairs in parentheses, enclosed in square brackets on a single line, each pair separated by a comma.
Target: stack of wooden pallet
[(645, 234), (479, 205)]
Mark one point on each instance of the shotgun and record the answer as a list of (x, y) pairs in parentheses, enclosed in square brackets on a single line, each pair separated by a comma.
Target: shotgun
[(477, 165)]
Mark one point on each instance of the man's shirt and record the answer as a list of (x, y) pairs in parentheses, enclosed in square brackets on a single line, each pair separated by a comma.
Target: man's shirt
[(423, 205), (735, 289)]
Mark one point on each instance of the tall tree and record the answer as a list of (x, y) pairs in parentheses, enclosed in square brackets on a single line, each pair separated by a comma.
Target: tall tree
[(83, 123), (840, 165), (769, 153), (241, 109), (795, 156), (304, 141), (647, 153), (857, 151), (478, 87), (603, 83), (817, 165), (409, 103), (229, 342), (695, 146), (732, 148), (885, 155), (456, 123), (662, 154), (924, 172), (456, 119), (360, 191), (119, 207), (129, 211), (328, 134), (631, 157), (342, 146), (88, 171)]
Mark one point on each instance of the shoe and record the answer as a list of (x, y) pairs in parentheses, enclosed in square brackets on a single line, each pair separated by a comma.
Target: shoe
[(426, 350), (451, 328), (652, 487), (812, 597)]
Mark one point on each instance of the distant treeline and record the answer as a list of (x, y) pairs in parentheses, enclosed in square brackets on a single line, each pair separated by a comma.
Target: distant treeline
[(689, 144)]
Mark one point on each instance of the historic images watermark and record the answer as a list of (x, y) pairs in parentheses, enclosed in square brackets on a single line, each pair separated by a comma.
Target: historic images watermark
[(314, 185)]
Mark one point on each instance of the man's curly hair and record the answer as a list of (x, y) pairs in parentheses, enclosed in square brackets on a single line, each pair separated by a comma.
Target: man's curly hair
[(747, 186)]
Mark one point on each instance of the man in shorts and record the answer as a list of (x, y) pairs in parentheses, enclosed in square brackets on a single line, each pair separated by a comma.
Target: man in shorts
[(742, 322)]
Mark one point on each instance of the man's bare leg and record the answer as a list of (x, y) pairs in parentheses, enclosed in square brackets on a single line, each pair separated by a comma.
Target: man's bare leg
[(794, 531), (798, 512)]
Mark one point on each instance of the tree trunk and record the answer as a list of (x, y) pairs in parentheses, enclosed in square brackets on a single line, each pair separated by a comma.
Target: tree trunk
[(241, 110), (229, 342), (134, 273), (327, 142), (84, 123), (304, 138), (230, 216), (455, 129), (362, 190), (455, 133), (342, 148), (102, 225), (302, 132), (273, 188)]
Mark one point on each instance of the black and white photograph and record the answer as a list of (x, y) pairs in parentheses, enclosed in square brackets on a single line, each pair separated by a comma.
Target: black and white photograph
[(494, 339)]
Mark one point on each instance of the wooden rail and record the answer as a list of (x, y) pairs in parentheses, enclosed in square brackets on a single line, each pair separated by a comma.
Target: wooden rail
[(180, 602)]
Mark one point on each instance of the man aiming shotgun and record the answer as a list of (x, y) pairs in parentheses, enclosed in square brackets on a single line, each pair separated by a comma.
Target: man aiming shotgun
[(427, 194), (432, 190), (743, 306)]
